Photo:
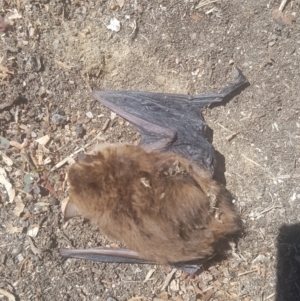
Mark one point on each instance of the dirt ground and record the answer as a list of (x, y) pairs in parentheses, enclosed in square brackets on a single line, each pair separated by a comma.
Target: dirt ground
[(54, 52)]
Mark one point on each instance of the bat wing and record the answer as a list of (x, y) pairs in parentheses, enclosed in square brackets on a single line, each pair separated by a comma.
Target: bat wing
[(108, 255), (169, 122), (113, 255)]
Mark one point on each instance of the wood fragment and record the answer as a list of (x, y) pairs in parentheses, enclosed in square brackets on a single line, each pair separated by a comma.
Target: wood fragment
[(19, 206), (105, 126), (7, 294), (282, 177), (230, 137), (15, 144), (203, 3), (248, 272), (43, 140), (282, 5), (62, 65), (149, 275), (208, 289), (168, 279), (270, 296)]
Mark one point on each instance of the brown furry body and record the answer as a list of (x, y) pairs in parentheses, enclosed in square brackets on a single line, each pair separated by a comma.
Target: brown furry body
[(160, 205)]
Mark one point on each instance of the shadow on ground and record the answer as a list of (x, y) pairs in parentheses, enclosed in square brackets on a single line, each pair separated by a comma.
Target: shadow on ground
[(288, 263)]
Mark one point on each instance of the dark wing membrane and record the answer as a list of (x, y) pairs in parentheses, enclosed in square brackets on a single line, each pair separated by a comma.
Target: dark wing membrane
[(169, 122), (112, 255), (108, 255)]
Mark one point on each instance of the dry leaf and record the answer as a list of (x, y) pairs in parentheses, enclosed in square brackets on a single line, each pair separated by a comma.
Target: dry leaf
[(14, 16), (4, 180), (8, 161), (282, 19), (47, 184), (33, 230), (15, 144), (161, 297), (7, 294), (12, 229), (19, 206), (5, 72), (27, 215)]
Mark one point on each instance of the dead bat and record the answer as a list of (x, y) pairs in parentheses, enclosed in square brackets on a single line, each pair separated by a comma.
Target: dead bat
[(159, 198)]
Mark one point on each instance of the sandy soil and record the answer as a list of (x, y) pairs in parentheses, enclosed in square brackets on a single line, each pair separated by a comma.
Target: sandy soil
[(54, 52)]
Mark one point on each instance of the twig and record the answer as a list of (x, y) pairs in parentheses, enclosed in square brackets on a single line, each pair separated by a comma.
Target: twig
[(201, 4), (250, 160), (248, 272), (105, 126), (168, 279), (269, 209), (208, 289), (223, 127), (282, 177), (282, 5), (134, 28), (62, 162), (230, 137), (270, 296), (24, 261), (149, 275)]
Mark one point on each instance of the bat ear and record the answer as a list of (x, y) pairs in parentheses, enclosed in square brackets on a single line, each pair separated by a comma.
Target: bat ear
[(68, 209)]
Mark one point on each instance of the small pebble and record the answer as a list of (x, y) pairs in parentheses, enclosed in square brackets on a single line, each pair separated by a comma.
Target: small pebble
[(58, 119), (89, 115), (20, 257)]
